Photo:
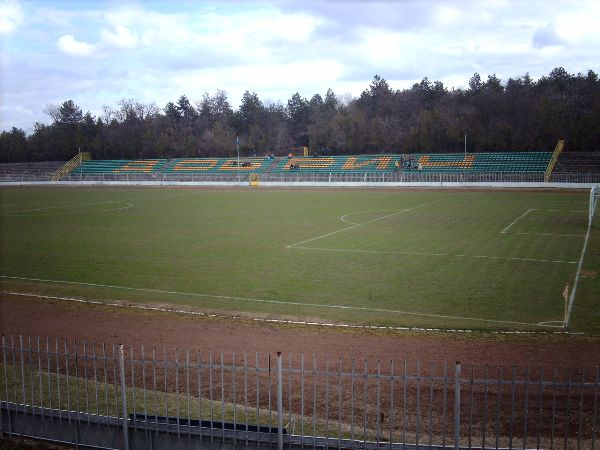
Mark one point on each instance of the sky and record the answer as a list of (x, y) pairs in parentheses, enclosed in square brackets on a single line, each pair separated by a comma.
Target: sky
[(99, 52)]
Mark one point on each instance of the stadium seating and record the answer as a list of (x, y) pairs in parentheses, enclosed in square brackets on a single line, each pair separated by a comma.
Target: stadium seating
[(511, 162), (120, 166), (217, 165)]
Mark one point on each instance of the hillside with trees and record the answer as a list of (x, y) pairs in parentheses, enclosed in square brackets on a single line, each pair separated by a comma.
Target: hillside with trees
[(520, 114)]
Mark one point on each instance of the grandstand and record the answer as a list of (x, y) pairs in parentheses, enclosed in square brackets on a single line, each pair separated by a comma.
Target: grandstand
[(29, 171), (497, 166)]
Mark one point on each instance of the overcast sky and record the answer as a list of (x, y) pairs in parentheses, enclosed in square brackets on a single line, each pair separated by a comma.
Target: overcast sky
[(98, 52)]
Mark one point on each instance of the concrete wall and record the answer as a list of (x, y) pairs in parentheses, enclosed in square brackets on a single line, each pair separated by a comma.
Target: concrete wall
[(317, 184)]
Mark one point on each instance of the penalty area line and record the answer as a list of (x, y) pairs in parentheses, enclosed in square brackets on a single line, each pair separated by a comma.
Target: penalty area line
[(400, 211), (384, 252), (276, 302)]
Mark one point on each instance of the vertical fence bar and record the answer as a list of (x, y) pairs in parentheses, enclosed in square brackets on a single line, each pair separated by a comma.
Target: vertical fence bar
[(568, 411), (144, 395), (246, 397), (187, 388), (327, 397), (279, 403), (177, 391), (512, 406), (210, 395), (166, 371), (314, 411), (352, 397), (391, 410), (365, 397), (595, 408), (553, 415), (471, 405), (95, 379), (234, 395), (67, 378), (291, 421), (302, 399), (526, 409), (457, 385), (155, 389), (123, 397), (105, 379), (257, 391), (22, 362), (378, 403), (497, 431), (431, 386), (581, 400), (115, 378), (199, 374), (58, 379), (540, 411), (31, 387), (404, 404), (39, 354), (340, 403), (222, 397), (418, 400), (85, 377), (132, 385), (49, 374), (6, 382)]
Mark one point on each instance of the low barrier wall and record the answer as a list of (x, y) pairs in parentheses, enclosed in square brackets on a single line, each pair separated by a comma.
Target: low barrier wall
[(339, 184)]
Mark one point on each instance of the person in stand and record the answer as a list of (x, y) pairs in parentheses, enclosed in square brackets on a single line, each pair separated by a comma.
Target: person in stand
[(290, 155)]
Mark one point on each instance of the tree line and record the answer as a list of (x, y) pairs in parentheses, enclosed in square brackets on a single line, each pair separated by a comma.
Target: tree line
[(521, 114)]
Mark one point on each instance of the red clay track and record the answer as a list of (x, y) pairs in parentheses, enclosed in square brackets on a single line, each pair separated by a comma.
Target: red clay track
[(53, 318)]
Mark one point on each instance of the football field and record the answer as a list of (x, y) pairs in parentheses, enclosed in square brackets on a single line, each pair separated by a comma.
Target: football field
[(488, 259)]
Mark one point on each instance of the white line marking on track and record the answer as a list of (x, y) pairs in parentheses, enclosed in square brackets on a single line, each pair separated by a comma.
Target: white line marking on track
[(517, 219), (360, 224), (384, 252), (283, 321), (278, 302)]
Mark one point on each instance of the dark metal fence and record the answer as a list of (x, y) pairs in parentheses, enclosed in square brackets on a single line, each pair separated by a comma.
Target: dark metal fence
[(292, 400)]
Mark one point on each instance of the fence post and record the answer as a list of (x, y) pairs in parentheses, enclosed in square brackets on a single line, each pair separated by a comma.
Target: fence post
[(123, 397), (457, 406), (279, 404)]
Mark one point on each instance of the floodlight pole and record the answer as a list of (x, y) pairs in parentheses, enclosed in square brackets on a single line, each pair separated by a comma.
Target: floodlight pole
[(465, 144), (237, 145)]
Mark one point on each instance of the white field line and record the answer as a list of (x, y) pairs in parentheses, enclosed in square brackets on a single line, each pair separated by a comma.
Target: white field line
[(283, 321), (550, 234), (277, 302), (360, 224), (577, 275), (383, 252), (22, 213), (517, 219), (343, 218)]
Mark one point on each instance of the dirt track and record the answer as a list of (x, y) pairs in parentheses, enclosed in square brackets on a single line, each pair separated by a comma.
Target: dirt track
[(41, 317)]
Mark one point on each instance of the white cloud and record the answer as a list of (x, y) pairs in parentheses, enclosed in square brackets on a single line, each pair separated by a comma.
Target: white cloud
[(11, 16), (71, 46), (122, 37)]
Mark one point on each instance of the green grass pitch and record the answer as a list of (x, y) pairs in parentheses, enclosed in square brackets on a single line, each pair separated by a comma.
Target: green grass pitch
[(449, 259)]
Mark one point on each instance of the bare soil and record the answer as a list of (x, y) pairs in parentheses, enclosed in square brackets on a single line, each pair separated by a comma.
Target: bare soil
[(33, 316)]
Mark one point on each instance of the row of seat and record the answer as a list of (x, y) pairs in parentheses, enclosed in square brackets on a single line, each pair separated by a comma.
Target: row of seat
[(425, 162)]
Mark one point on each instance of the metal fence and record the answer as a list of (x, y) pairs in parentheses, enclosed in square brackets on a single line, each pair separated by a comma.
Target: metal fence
[(408, 177), (295, 177), (293, 401)]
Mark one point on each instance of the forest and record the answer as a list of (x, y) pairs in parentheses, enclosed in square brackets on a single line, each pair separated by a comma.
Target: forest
[(520, 114)]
